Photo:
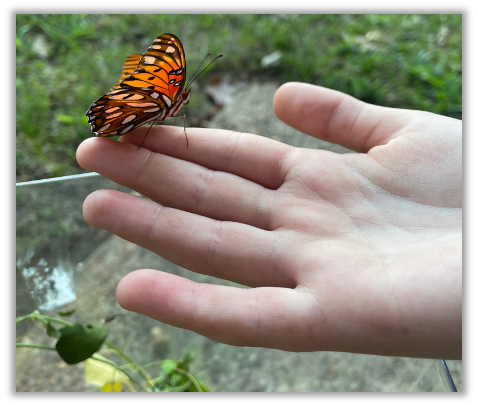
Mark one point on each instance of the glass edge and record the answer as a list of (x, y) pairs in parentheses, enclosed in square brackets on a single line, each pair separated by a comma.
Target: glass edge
[(58, 179), (448, 377)]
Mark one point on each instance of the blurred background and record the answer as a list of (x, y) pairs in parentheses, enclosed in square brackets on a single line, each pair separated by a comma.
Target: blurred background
[(65, 62)]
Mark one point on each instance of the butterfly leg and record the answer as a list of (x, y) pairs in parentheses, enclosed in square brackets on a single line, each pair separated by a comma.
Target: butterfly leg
[(185, 133), (146, 134)]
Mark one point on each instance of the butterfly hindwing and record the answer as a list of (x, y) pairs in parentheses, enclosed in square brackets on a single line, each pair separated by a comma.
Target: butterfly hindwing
[(130, 65), (121, 110)]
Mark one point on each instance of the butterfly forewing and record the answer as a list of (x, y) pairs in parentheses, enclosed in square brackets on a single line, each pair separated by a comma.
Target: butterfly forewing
[(151, 88), (162, 67)]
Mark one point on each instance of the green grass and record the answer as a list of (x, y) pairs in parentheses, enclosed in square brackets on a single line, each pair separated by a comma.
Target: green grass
[(65, 62)]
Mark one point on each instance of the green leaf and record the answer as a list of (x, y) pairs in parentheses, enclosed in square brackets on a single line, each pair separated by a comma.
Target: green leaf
[(63, 118), (67, 313), (168, 366), (78, 343), (186, 360), (52, 331)]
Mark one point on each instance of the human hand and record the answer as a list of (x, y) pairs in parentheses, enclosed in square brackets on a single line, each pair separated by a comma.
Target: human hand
[(354, 252)]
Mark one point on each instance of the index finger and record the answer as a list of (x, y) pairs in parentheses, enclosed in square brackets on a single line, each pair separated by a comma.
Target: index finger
[(249, 156)]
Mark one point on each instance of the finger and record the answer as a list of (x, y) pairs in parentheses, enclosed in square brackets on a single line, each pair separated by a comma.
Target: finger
[(259, 317), (337, 117), (246, 155), (232, 251), (179, 184)]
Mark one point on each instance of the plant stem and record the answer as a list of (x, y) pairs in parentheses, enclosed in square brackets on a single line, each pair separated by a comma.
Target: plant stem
[(42, 347), (190, 377), (141, 371), (113, 364)]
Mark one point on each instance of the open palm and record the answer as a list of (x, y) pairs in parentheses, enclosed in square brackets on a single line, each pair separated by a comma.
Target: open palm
[(357, 252)]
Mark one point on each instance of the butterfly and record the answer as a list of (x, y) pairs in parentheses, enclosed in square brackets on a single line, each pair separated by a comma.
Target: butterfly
[(151, 89)]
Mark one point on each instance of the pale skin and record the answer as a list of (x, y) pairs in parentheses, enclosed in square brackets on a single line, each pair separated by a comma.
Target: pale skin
[(359, 252)]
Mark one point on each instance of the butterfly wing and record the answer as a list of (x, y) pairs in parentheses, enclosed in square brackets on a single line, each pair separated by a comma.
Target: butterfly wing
[(162, 68), (121, 110), (146, 92), (130, 65)]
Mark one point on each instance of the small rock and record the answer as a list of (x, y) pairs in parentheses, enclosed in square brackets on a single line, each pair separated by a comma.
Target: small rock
[(271, 59)]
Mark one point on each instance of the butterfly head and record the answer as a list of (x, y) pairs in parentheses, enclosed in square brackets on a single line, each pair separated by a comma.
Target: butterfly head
[(185, 95)]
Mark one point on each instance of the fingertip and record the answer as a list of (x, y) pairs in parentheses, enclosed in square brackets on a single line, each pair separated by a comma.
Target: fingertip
[(96, 205), (282, 96), (295, 101), (83, 151), (129, 285), (87, 153), (105, 207), (152, 293)]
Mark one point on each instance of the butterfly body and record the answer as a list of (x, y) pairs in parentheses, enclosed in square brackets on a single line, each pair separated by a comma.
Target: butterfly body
[(151, 89)]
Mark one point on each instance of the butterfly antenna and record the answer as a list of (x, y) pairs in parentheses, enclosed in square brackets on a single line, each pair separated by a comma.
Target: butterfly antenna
[(198, 68), (192, 80)]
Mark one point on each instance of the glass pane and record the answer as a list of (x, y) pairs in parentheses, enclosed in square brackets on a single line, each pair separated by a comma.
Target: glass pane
[(63, 264)]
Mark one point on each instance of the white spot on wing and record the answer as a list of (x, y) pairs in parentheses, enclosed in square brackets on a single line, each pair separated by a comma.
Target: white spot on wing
[(115, 91), (112, 109), (119, 96), (149, 60), (136, 97), (114, 115), (104, 128), (167, 100), (128, 119), (169, 50), (141, 104), (154, 95), (127, 129), (152, 110)]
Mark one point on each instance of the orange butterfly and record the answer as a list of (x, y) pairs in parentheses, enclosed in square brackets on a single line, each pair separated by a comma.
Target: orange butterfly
[(151, 89)]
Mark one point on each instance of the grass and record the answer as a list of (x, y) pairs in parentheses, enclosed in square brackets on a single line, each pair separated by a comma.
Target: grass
[(65, 62)]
